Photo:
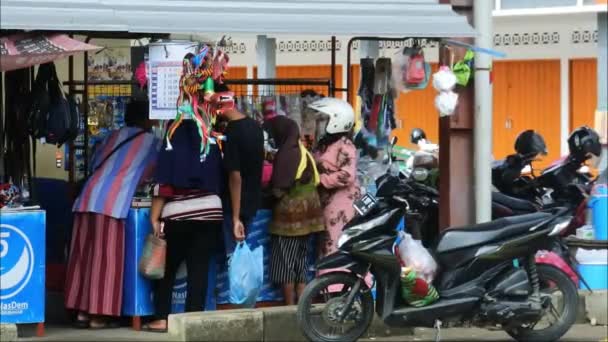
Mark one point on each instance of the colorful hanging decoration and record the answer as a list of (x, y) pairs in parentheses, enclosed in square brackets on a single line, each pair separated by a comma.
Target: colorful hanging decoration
[(197, 98)]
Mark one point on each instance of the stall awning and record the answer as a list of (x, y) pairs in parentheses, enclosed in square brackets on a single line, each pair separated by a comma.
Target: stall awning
[(412, 18), (27, 49)]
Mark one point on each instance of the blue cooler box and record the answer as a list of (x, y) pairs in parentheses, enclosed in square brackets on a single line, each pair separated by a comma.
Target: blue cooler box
[(22, 266), (596, 275)]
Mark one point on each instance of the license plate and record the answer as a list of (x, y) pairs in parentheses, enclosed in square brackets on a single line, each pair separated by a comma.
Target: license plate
[(365, 204)]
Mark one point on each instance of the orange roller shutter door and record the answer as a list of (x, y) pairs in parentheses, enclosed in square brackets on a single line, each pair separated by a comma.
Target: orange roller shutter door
[(305, 71), (526, 96), (583, 92)]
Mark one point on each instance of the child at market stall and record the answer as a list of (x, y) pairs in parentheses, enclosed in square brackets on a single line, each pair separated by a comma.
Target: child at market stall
[(297, 213), (96, 260)]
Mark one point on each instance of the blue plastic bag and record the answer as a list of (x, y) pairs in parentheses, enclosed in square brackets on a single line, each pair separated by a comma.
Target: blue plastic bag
[(246, 274)]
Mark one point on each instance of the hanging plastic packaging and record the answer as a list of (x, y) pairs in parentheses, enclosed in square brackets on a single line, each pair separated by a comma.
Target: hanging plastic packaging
[(444, 79), (413, 254), (463, 69), (246, 274), (446, 103), (416, 291)]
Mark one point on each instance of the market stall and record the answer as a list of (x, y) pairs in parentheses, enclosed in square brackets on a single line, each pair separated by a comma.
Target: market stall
[(427, 19)]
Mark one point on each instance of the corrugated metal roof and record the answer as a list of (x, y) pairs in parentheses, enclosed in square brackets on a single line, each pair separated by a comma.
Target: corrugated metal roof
[(413, 18)]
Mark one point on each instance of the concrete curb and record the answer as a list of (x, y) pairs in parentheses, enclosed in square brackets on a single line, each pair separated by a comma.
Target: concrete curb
[(8, 332), (280, 323), (266, 324)]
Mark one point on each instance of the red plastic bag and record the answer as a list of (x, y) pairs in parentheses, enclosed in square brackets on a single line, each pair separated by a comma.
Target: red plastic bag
[(416, 73)]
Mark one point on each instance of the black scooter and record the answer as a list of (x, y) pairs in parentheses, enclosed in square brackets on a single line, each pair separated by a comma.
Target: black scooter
[(488, 275)]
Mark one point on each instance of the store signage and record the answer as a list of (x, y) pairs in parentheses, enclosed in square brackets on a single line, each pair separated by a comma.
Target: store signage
[(178, 297), (22, 267)]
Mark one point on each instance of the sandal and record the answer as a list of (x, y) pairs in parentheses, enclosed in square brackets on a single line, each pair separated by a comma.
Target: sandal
[(82, 321), (104, 325), (148, 328)]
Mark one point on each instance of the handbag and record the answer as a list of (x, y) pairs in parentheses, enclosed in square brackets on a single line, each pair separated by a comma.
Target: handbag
[(152, 262)]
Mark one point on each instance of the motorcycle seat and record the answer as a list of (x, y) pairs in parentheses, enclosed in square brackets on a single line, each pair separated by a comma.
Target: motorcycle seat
[(513, 203), (458, 238)]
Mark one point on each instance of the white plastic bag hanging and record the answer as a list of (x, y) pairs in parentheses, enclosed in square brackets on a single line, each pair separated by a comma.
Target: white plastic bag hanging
[(446, 103), (444, 79), (414, 255)]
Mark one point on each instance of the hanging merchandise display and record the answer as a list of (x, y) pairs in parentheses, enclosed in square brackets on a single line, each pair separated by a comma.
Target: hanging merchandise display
[(444, 82), (411, 71), (377, 102), (464, 68), (199, 72)]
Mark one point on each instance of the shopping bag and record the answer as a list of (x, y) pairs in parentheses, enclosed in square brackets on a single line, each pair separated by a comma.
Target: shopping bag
[(152, 262), (413, 255), (245, 274), (416, 72), (415, 290)]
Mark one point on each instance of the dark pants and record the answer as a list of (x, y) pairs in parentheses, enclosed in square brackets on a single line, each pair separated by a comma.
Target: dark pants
[(195, 242)]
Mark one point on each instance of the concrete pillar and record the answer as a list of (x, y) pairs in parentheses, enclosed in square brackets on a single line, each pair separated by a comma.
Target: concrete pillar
[(483, 132), (266, 60), (564, 104)]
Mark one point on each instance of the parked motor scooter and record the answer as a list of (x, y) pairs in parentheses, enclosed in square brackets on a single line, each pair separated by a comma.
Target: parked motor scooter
[(488, 276)]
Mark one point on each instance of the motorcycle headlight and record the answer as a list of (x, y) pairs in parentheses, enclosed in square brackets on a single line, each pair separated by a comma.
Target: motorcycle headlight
[(420, 174)]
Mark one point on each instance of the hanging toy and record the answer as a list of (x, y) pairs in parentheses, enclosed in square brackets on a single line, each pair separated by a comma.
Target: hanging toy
[(196, 86)]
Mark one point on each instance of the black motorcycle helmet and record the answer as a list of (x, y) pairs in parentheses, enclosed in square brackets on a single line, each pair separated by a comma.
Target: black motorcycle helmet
[(416, 135), (529, 144), (584, 141)]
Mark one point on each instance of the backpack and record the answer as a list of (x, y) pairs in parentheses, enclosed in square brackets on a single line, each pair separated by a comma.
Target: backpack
[(416, 72), (40, 103), (52, 117)]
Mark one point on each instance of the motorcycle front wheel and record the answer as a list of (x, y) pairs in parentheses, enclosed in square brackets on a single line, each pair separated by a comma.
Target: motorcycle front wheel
[(561, 312), (320, 309)]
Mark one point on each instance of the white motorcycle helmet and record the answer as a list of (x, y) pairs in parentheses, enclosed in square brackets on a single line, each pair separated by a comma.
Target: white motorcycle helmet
[(341, 114)]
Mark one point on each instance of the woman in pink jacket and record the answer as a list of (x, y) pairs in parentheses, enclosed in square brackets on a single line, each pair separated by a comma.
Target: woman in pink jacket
[(337, 163)]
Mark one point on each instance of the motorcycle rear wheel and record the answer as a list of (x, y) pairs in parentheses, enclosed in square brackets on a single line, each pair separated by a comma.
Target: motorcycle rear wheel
[(318, 292), (551, 278)]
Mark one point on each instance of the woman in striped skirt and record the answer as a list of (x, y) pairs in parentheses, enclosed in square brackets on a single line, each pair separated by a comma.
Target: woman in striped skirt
[(96, 262), (297, 213)]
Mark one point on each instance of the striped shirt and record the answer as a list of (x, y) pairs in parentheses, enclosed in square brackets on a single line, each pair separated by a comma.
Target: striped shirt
[(186, 204), (110, 189)]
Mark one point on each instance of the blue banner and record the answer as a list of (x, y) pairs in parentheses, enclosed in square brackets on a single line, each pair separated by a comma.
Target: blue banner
[(138, 292), (22, 266)]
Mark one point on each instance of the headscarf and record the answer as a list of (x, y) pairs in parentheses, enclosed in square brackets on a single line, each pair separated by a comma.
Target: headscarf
[(286, 136)]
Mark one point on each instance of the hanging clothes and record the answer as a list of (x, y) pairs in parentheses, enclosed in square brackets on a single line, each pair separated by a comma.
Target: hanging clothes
[(382, 77)]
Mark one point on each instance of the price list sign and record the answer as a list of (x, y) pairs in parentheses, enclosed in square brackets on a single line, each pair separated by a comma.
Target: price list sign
[(164, 89)]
